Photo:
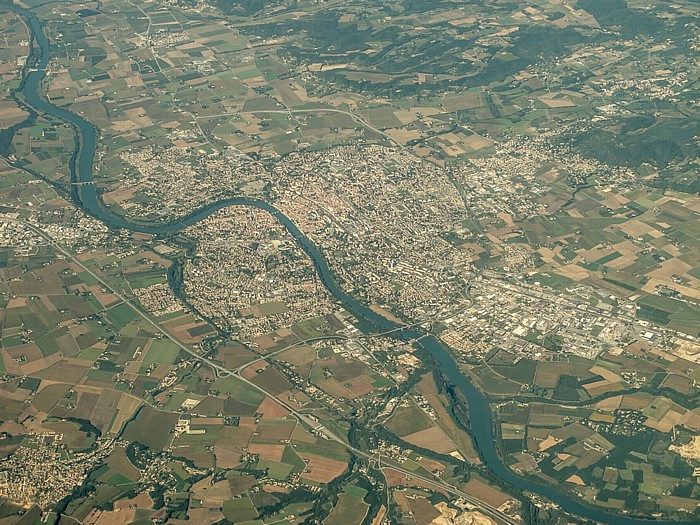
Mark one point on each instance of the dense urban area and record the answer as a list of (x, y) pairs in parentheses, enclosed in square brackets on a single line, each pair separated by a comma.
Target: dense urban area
[(285, 262)]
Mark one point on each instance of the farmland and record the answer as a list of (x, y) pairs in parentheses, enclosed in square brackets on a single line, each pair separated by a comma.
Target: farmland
[(630, 430), (330, 189)]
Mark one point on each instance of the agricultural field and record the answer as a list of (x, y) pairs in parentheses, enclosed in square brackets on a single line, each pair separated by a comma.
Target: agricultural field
[(93, 368), (613, 439), (515, 184), (273, 100), (576, 379), (14, 54), (640, 246)]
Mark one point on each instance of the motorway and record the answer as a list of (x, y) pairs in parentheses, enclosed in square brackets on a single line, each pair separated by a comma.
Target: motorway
[(223, 371), (353, 116)]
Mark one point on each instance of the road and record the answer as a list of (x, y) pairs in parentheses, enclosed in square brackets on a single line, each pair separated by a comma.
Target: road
[(320, 429), (353, 116), (302, 418)]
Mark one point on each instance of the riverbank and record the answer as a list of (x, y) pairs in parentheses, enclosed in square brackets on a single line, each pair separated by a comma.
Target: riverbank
[(369, 321)]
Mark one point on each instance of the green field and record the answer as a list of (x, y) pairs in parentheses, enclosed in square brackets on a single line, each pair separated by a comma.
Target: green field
[(162, 351)]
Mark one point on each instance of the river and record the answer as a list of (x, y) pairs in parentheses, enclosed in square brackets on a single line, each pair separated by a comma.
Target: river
[(369, 321)]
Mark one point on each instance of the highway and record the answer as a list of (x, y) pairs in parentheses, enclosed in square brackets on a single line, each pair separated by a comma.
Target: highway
[(223, 371), (353, 116)]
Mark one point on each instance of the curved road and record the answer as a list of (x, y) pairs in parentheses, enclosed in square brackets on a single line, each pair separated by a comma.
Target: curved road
[(223, 371), (353, 116), (367, 319)]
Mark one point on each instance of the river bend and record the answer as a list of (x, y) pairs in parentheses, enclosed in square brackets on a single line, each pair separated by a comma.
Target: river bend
[(369, 321)]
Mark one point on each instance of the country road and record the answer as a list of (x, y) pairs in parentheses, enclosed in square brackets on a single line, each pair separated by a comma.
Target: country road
[(353, 116), (223, 371)]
